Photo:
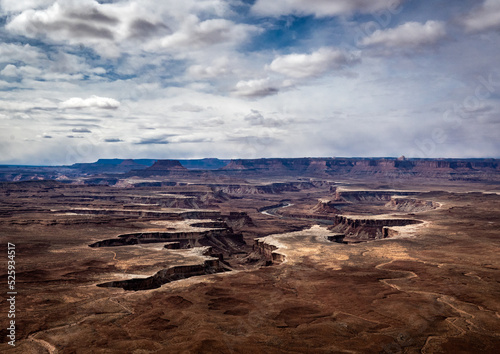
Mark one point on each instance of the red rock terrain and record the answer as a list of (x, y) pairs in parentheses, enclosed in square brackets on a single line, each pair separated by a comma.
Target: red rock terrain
[(213, 263)]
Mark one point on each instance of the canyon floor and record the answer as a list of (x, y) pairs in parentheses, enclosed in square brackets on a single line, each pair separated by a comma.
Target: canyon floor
[(288, 265)]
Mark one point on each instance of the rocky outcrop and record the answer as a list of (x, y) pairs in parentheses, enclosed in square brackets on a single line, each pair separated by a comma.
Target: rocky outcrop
[(337, 238), (237, 220), (325, 207), (367, 228), (267, 251), (368, 195), (167, 165), (153, 214), (191, 239), (168, 275), (411, 204), (272, 188)]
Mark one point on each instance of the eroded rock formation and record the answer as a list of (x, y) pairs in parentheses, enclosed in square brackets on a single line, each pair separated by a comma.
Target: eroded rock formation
[(168, 275), (366, 228)]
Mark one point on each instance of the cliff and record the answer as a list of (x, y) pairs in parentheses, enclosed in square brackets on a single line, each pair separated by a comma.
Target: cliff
[(359, 167)]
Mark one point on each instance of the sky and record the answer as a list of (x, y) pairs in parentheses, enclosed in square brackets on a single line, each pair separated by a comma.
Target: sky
[(82, 79)]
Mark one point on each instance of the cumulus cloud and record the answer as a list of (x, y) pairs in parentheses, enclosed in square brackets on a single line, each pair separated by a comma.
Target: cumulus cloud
[(91, 102), (217, 68), (70, 22), (485, 17), (12, 52), (308, 65), (256, 88), (18, 6), (197, 34), (320, 8), (410, 34)]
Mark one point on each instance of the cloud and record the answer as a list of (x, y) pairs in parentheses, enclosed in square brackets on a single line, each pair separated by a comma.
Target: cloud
[(80, 130), (113, 140), (255, 88), (141, 28), (91, 102), (217, 68), (18, 6), (189, 139), (65, 20), (162, 140), (196, 34), (410, 34), (485, 17), (256, 118), (320, 8), (301, 66), (187, 107), (82, 22), (214, 122), (12, 52)]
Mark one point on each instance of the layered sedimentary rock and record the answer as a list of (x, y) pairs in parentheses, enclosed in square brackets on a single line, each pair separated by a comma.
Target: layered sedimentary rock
[(358, 196), (411, 204), (168, 275), (366, 228), (388, 167)]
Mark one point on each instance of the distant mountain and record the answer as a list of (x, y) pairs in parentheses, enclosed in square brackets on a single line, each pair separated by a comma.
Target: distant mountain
[(107, 169)]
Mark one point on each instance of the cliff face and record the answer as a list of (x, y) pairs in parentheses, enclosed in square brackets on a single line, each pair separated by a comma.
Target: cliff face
[(368, 228), (433, 168)]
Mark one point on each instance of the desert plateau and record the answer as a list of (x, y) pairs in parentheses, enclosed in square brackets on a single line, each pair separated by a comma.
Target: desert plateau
[(256, 256)]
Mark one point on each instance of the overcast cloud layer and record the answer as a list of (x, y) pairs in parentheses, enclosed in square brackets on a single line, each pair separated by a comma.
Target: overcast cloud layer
[(84, 79)]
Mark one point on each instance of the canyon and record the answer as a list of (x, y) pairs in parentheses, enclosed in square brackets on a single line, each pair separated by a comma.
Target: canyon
[(311, 255)]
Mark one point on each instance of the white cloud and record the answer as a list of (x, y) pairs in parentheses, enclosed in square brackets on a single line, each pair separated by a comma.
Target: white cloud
[(410, 34), (82, 22), (91, 102), (195, 34), (486, 17), (257, 119), (320, 8), (11, 52), (218, 68), (256, 88), (309, 65), (9, 71), (187, 107), (18, 6)]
